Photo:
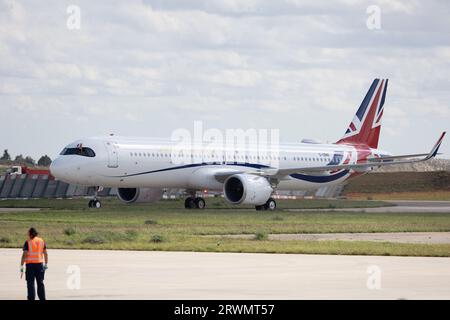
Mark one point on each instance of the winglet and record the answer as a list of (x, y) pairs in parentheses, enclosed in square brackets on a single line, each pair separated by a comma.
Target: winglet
[(435, 149)]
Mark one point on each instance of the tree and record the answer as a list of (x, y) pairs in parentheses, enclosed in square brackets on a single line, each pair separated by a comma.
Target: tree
[(30, 161), (19, 159), (6, 156), (44, 161)]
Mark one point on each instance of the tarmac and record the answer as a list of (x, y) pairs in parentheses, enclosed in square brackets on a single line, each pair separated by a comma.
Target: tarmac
[(19, 209), (398, 206), (398, 237), (102, 274), (96, 274)]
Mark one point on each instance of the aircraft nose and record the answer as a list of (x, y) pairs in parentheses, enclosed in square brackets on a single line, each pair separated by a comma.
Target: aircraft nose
[(56, 169)]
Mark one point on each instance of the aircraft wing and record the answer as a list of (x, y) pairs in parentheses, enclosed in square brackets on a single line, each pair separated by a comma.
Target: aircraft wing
[(374, 162), (222, 175), (402, 156)]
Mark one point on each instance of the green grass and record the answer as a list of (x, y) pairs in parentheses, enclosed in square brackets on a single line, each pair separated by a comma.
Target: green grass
[(165, 225), (261, 235)]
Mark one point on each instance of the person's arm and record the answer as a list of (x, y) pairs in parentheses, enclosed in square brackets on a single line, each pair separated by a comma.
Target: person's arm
[(46, 256), (22, 261), (24, 254)]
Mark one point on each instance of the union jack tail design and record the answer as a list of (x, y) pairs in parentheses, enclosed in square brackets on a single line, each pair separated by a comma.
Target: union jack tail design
[(366, 124)]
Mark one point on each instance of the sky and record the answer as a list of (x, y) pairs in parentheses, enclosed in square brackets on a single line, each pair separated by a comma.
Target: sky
[(147, 68)]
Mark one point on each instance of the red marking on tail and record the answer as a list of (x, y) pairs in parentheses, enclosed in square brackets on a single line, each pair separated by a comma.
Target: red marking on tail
[(365, 126)]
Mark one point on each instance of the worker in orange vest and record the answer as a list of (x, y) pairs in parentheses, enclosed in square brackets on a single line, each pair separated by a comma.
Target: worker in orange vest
[(36, 259)]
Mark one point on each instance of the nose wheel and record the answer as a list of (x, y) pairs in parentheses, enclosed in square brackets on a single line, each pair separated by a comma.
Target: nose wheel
[(194, 203), (95, 203)]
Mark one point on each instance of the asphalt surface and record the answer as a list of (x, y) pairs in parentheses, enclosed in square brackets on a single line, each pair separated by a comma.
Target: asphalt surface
[(189, 275), (399, 237), (19, 209), (398, 206)]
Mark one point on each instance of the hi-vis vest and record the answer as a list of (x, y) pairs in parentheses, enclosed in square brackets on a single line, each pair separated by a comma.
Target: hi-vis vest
[(35, 252)]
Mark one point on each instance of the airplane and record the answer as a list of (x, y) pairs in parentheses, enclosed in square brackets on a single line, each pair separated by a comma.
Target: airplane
[(141, 168)]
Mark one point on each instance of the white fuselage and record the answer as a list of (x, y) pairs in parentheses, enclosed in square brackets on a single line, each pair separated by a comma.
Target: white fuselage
[(155, 163)]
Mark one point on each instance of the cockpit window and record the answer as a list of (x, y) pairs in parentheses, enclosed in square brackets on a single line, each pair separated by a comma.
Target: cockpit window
[(83, 151)]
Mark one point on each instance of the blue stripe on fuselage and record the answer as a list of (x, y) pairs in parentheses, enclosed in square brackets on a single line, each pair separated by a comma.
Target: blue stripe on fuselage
[(193, 165), (319, 179)]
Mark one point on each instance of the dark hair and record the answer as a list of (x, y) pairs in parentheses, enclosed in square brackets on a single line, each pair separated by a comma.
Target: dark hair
[(32, 232)]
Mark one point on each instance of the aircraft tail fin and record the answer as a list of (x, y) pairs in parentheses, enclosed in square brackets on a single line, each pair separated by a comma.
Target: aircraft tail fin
[(366, 124)]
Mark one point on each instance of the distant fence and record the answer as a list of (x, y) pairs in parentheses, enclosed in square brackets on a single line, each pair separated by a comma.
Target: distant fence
[(43, 186)]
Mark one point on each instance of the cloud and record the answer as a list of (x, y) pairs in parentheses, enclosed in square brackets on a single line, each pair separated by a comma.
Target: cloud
[(149, 67)]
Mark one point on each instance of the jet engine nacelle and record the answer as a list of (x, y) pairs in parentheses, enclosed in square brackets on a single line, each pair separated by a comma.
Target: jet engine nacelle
[(131, 195), (247, 189)]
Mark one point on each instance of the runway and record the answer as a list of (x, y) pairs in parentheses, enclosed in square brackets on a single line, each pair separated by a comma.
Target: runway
[(398, 237), (190, 275), (19, 209), (398, 206)]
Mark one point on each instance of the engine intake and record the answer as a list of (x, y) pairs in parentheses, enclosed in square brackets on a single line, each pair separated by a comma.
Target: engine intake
[(247, 189)]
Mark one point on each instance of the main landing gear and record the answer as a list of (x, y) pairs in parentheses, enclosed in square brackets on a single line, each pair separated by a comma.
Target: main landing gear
[(270, 205), (194, 203)]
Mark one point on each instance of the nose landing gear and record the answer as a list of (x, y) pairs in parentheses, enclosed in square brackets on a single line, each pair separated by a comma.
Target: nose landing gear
[(95, 203)]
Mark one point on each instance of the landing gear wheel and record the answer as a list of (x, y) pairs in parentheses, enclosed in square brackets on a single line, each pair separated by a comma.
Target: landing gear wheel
[(189, 203), (270, 205), (94, 203), (200, 203), (97, 204)]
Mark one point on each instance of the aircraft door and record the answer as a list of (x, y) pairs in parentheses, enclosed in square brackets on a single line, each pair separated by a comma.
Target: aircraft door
[(113, 155)]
